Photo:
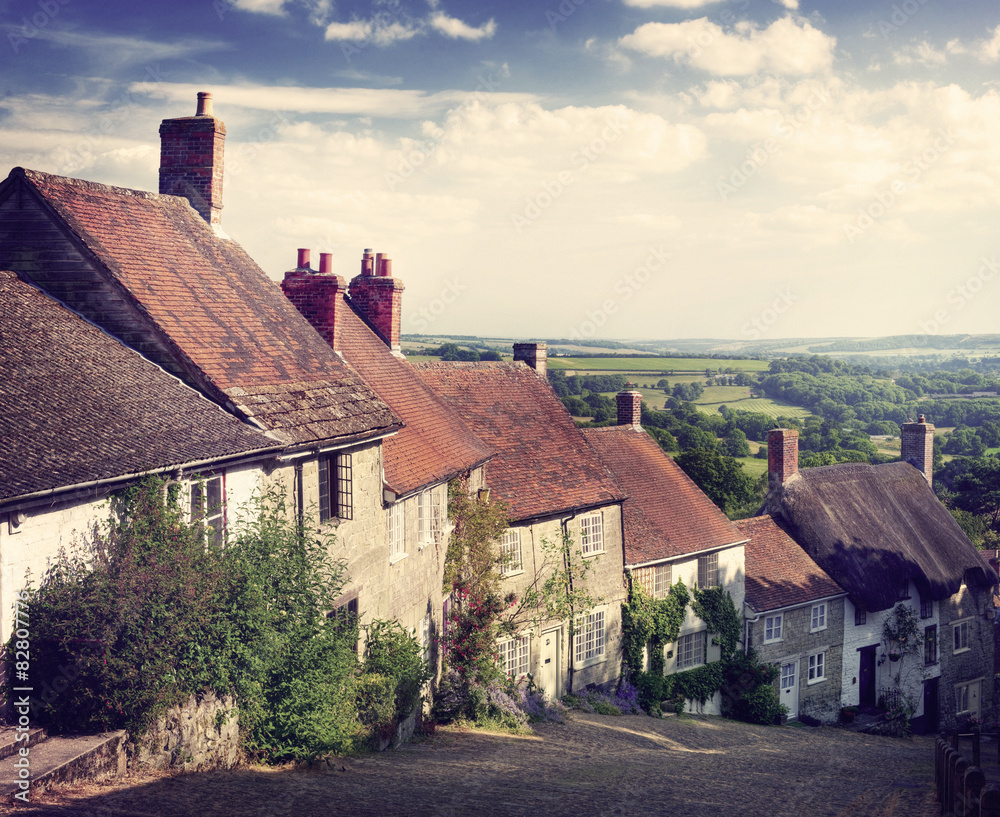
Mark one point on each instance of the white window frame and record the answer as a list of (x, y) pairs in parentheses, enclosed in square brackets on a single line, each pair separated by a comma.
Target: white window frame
[(515, 656), (396, 529), (773, 625), (662, 578), (708, 565), (592, 534), (817, 668), (428, 518), (787, 679), (963, 697), (590, 638), (817, 618), (690, 650), (510, 553), (199, 490), (960, 636)]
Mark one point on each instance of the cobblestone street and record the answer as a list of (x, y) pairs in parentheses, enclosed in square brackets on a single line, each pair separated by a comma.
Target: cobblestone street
[(593, 765)]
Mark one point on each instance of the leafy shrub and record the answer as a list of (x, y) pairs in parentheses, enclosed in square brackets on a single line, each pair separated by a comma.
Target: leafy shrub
[(487, 705), (537, 707)]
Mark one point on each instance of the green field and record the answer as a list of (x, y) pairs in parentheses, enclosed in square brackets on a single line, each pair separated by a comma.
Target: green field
[(654, 364), (761, 405), (724, 394)]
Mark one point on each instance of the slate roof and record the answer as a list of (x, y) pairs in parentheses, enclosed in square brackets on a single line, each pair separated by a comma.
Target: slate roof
[(543, 466), (870, 527), (779, 573), (228, 326), (666, 514), (78, 406), (435, 444)]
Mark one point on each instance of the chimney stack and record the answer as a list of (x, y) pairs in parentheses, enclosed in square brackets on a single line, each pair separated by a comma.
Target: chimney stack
[(534, 354), (191, 159), (319, 296), (629, 409), (379, 297), (782, 456), (917, 447)]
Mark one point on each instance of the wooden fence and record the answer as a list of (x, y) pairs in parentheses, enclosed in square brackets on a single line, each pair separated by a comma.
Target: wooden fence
[(960, 784)]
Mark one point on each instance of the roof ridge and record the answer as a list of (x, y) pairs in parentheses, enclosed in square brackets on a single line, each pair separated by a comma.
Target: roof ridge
[(97, 187)]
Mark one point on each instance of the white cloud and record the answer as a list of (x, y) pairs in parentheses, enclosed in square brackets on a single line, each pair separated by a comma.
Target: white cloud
[(457, 30), (989, 51), (674, 4), (922, 53), (261, 6), (376, 32), (787, 46), (791, 5)]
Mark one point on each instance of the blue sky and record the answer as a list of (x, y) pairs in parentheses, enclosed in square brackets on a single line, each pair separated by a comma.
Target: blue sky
[(563, 168)]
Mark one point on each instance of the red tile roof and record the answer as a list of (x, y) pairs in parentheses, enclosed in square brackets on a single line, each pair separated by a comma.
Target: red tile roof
[(666, 514), (779, 573), (543, 466), (78, 406), (435, 443), (227, 325)]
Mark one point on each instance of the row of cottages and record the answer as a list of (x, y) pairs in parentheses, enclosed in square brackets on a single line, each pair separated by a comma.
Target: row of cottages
[(140, 339), (836, 550)]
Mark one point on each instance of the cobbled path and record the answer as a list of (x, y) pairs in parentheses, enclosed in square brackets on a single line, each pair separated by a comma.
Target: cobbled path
[(592, 765)]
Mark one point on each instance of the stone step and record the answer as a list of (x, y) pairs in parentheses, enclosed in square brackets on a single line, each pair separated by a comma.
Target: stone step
[(63, 759), (11, 739)]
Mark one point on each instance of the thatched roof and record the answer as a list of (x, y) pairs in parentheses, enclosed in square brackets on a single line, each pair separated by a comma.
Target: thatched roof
[(873, 527)]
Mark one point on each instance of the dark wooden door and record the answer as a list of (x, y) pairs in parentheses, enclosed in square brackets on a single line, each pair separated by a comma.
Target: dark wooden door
[(866, 676), (930, 706)]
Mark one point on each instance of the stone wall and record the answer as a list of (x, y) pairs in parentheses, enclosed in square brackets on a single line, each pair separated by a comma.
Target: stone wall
[(972, 665), (197, 735)]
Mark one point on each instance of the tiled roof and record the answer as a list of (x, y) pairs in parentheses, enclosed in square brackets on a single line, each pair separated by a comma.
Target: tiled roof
[(435, 444), (871, 527), (228, 326), (666, 514), (78, 406), (543, 466), (779, 573)]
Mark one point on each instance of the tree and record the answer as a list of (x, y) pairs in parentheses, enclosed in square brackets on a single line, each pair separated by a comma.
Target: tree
[(735, 444), (721, 478), (978, 489)]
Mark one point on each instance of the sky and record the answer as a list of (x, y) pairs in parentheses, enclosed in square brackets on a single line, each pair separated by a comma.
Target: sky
[(618, 169)]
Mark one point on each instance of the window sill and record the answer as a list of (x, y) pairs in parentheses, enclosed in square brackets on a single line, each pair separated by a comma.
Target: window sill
[(589, 662), (593, 553), (507, 574), (817, 630), (773, 640), (815, 681), (962, 650), (397, 559)]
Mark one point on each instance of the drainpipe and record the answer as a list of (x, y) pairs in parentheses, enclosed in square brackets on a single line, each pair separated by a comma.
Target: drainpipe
[(564, 525)]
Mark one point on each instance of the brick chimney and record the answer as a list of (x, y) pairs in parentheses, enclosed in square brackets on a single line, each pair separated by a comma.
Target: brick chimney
[(379, 297), (917, 447), (782, 456), (629, 409), (191, 150), (534, 354), (319, 296)]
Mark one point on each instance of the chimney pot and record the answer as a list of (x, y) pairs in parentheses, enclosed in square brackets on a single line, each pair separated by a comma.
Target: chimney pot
[(378, 297), (303, 258), (325, 263), (204, 104)]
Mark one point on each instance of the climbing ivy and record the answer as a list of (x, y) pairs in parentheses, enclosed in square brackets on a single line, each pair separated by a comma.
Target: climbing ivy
[(715, 607), (655, 622)]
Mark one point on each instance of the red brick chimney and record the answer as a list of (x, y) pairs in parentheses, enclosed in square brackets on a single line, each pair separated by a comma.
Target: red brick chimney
[(629, 408), (319, 296), (191, 150), (379, 297), (782, 456), (917, 447), (534, 354)]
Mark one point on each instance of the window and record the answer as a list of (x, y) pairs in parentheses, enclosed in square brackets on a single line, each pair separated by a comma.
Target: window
[(514, 655), (961, 699), (208, 505), (336, 487), (428, 519), (818, 620), (860, 616), (708, 571), (345, 616), (904, 590), (817, 667), (589, 638), (930, 644), (397, 544), (691, 650), (592, 534), (967, 698), (662, 578), (961, 631), (788, 675), (772, 628), (926, 607), (510, 552), (425, 636)]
